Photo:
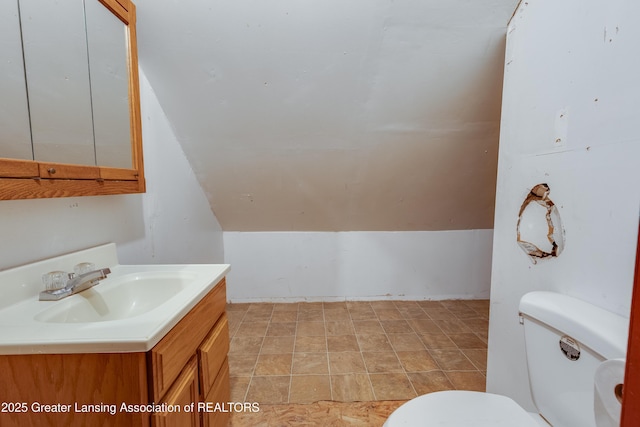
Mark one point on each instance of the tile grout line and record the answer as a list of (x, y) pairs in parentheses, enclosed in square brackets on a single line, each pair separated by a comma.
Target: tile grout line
[(326, 346), (373, 390), (253, 371), (246, 392), (327, 353), (295, 337)]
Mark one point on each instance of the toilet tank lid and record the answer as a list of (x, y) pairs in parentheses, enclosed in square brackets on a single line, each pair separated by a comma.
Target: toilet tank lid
[(601, 330)]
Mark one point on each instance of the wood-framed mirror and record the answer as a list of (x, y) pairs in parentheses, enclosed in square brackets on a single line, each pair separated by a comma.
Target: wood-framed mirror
[(73, 145)]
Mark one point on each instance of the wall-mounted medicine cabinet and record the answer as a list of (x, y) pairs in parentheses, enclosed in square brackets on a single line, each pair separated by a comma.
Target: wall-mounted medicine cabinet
[(70, 105)]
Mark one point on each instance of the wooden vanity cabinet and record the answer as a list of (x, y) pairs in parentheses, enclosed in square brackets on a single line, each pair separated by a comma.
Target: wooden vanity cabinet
[(183, 392), (188, 366)]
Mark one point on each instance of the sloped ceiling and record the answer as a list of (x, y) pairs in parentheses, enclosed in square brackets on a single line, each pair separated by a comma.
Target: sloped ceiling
[(339, 115)]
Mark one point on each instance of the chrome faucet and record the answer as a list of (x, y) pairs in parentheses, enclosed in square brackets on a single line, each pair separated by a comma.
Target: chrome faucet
[(76, 283)]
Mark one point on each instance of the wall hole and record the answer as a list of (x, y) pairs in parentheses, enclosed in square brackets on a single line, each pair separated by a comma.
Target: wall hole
[(539, 230)]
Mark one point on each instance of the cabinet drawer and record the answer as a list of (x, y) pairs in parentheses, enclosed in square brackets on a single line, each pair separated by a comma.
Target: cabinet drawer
[(169, 356), (183, 392), (212, 352), (219, 393)]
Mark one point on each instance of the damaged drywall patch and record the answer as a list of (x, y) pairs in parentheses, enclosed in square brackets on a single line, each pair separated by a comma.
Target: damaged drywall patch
[(539, 230)]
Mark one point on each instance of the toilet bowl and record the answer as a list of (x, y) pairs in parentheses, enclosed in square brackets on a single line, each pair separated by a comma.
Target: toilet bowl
[(566, 340), (458, 408)]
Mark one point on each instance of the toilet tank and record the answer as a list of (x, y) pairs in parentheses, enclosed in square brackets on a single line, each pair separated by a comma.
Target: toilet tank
[(566, 338)]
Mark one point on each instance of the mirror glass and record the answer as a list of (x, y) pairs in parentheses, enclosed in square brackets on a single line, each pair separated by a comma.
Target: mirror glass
[(57, 70), (73, 106), (107, 41), (15, 133)]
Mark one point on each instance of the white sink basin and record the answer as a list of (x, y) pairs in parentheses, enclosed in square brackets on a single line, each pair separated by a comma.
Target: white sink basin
[(118, 298), (129, 311)]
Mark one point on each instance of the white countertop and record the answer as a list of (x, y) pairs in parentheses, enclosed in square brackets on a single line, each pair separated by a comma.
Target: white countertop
[(22, 333)]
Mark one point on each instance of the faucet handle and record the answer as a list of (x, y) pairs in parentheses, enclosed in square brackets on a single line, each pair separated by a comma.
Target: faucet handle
[(84, 267), (55, 280)]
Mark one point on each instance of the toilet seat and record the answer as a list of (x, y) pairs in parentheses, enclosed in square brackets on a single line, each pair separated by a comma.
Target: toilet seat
[(457, 408)]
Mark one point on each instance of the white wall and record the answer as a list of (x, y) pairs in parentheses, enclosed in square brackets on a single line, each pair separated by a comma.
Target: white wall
[(179, 224), (172, 222), (307, 115), (294, 266), (571, 103)]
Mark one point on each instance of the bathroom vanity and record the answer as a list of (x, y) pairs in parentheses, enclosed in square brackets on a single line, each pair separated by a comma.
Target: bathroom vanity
[(163, 365)]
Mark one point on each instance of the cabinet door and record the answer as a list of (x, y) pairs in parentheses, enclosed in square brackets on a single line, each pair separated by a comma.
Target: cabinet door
[(211, 353), (218, 397), (169, 356), (182, 393)]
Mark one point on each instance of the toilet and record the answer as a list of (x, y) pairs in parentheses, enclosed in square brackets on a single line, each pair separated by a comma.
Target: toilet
[(566, 340)]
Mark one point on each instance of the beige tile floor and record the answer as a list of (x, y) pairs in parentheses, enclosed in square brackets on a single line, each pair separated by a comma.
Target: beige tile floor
[(355, 351), (324, 413)]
